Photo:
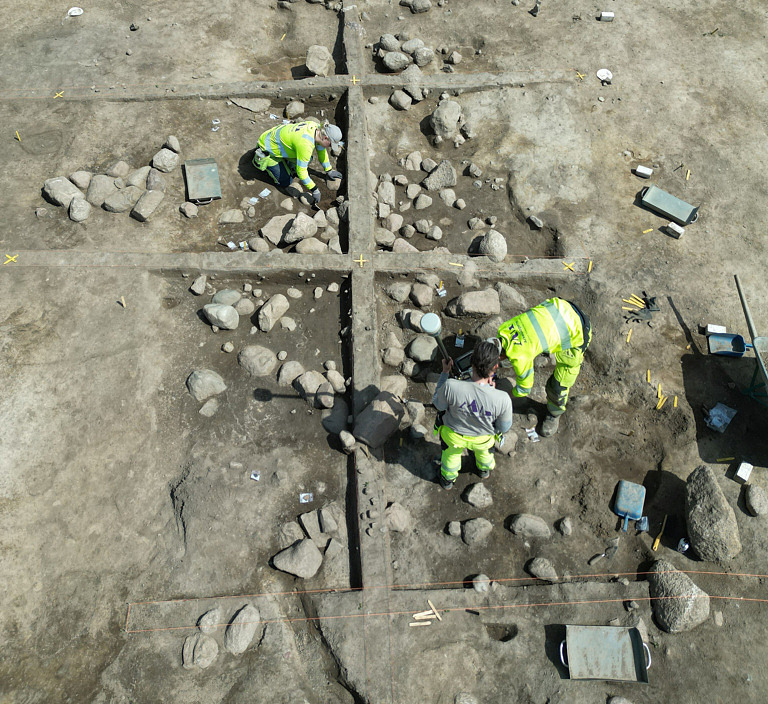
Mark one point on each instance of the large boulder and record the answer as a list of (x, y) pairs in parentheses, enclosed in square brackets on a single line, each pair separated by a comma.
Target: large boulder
[(61, 191), (712, 527), (302, 228), (678, 604), (444, 176), (396, 60), (274, 309), (204, 383), (379, 419), (165, 160), (475, 303), (445, 119), (241, 629), (147, 204), (542, 569), (224, 317), (308, 385), (527, 525), (123, 200), (335, 419), (302, 559), (257, 360), (389, 42), (289, 372), (512, 301), (319, 61), (493, 245), (276, 229)]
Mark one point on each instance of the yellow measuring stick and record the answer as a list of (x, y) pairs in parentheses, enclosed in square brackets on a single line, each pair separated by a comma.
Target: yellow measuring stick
[(674, 403), (650, 229), (661, 402), (648, 376), (629, 335), (631, 302), (589, 268), (638, 300), (688, 174), (658, 391)]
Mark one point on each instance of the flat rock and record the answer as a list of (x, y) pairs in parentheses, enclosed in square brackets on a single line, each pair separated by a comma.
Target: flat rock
[(493, 245), (396, 518), (422, 201), (257, 360), (204, 383), (379, 419), (227, 296), (475, 303), (258, 244), (389, 42), (755, 497), (475, 530), (402, 246), (209, 408), (232, 216), (423, 56), (477, 495), (224, 317), (245, 307), (302, 559), (393, 356), (79, 209), (252, 104), (543, 569), (241, 629), (199, 650), (81, 179), (172, 143), (421, 294), (155, 180), (527, 525), (188, 210), (310, 522), (272, 311), (678, 604), (336, 380), (510, 298), (319, 61), (383, 237), (324, 395), (147, 204), (119, 169), (445, 120), (423, 348), (61, 191), (209, 621), (396, 384), (123, 200), (138, 177), (165, 160), (276, 229), (712, 527), (289, 534)]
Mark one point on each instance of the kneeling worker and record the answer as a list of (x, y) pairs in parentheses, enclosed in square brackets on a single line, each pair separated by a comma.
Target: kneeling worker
[(295, 144), (474, 414), (556, 326)]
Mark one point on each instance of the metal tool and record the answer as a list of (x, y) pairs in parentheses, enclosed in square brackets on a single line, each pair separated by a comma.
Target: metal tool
[(605, 653), (607, 554), (630, 498), (431, 325), (666, 204), (203, 184)]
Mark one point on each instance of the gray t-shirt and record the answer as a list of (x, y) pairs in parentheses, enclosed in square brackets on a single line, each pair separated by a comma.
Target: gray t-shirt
[(473, 409)]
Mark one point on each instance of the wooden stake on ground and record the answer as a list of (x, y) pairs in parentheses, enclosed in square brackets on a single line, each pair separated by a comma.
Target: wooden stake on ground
[(416, 624), (434, 610)]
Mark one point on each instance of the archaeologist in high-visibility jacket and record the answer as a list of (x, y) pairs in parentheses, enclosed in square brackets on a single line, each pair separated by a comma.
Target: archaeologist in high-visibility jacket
[(289, 148), (554, 327), (473, 414)]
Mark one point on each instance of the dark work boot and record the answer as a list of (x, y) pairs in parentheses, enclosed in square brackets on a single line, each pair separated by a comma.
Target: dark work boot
[(549, 426), (445, 483)]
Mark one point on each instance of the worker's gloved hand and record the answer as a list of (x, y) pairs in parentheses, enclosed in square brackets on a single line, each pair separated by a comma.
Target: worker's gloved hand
[(333, 175), (315, 195)]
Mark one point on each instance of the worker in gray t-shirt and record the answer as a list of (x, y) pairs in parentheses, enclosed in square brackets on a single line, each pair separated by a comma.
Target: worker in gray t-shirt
[(474, 413)]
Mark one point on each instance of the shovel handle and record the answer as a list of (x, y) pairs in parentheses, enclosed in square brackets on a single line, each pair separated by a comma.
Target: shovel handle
[(563, 658), (647, 656)]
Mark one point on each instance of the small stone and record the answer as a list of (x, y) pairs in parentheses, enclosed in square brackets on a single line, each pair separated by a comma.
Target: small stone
[(448, 196), (257, 360), (188, 210), (442, 176), (302, 227), (422, 201), (79, 209), (123, 200), (393, 356), (423, 56), (454, 58), (287, 204), (527, 525), (481, 584), (413, 161), (402, 246), (287, 323), (543, 569), (493, 245), (445, 119), (535, 222), (282, 355), (272, 311), (565, 526), (257, 244), (631, 605), (396, 518), (209, 621), (199, 650), (226, 297), (172, 143), (231, 217), (389, 42), (228, 347), (333, 288), (400, 100), (678, 604), (118, 170), (454, 529), (434, 233), (460, 204), (289, 372), (294, 109), (421, 295), (81, 179), (474, 171), (423, 348), (61, 191), (310, 246), (719, 619), (394, 222), (755, 497), (209, 408), (475, 303), (165, 160), (396, 60)]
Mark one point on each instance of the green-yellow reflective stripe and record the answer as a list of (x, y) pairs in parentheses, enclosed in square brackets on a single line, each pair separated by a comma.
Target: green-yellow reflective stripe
[(560, 324), (538, 330)]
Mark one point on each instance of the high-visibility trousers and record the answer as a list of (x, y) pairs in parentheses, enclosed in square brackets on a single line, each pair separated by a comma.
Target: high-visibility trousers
[(568, 365), (454, 445)]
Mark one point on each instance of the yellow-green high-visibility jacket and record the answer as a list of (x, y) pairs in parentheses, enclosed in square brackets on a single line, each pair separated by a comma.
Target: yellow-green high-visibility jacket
[(297, 143), (550, 327)]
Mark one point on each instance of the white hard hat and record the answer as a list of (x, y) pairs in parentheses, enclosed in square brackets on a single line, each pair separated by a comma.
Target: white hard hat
[(334, 134)]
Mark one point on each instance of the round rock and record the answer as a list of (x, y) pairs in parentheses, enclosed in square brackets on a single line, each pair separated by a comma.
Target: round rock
[(204, 383), (224, 317), (257, 360)]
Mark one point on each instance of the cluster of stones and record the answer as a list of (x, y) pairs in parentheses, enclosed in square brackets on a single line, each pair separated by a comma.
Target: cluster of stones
[(399, 52), (201, 648), (225, 311), (332, 5), (393, 232), (300, 233), (119, 190), (307, 543)]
